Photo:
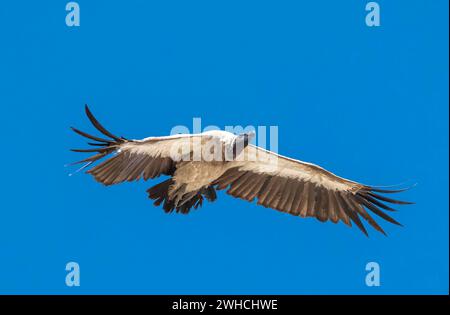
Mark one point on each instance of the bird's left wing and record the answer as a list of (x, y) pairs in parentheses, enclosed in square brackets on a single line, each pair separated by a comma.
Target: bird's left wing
[(131, 160), (303, 189)]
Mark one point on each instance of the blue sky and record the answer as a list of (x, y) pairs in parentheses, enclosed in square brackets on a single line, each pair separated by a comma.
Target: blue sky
[(369, 104)]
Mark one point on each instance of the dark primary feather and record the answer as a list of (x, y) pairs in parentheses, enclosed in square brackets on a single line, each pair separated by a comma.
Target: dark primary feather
[(84, 134), (99, 126), (375, 201), (389, 191), (389, 199), (89, 150)]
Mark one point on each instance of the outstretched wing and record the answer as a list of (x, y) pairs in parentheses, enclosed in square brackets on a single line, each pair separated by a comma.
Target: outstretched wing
[(304, 189), (130, 160)]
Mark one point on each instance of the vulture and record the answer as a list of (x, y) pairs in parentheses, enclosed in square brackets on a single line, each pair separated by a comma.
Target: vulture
[(199, 164)]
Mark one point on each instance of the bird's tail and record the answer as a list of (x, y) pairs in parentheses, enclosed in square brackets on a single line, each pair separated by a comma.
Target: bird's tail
[(160, 193)]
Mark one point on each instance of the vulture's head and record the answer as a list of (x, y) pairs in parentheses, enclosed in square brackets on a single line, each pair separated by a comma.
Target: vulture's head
[(241, 141)]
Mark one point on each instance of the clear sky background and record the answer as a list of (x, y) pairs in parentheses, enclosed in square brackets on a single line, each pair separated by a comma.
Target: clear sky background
[(369, 104)]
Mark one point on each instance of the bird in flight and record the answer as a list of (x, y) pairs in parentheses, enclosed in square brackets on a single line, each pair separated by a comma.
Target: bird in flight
[(200, 164)]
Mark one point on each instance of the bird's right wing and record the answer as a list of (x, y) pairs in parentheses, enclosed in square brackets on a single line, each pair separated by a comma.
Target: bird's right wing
[(303, 189), (131, 160)]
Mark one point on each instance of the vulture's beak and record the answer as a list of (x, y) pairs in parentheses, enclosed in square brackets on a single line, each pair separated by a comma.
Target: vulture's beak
[(242, 141), (249, 136), (245, 138)]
